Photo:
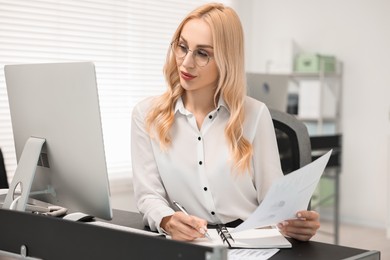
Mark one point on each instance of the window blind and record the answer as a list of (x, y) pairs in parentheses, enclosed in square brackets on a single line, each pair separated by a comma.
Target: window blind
[(127, 41)]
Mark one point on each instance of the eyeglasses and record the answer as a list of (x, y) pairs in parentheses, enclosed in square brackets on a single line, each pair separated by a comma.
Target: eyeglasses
[(200, 56)]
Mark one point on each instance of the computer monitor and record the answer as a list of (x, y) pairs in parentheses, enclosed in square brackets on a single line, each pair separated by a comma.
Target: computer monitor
[(271, 89), (58, 137)]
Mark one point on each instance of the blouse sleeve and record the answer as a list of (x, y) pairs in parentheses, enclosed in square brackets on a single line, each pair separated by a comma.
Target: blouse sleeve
[(149, 191), (266, 160)]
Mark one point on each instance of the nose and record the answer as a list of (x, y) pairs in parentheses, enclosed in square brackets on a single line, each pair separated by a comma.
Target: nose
[(188, 61)]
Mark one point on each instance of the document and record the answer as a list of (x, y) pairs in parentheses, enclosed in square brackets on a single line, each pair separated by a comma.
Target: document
[(253, 238), (251, 254), (287, 196)]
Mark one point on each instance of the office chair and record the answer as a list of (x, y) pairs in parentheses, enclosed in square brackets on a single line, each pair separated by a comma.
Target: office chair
[(3, 174), (293, 141)]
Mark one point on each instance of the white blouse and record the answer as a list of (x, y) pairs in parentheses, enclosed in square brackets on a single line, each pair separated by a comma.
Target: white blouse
[(196, 170)]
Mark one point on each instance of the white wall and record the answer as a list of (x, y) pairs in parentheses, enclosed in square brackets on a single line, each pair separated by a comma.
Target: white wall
[(356, 31)]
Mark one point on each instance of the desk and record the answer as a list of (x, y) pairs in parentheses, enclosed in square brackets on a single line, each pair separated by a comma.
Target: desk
[(52, 238)]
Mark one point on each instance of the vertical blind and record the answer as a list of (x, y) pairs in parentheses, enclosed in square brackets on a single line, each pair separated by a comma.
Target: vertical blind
[(127, 41)]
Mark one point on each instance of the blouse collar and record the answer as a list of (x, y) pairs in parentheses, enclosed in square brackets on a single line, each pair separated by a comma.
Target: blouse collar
[(179, 106)]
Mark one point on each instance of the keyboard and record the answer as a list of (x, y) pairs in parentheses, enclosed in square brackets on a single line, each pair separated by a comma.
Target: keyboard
[(123, 228)]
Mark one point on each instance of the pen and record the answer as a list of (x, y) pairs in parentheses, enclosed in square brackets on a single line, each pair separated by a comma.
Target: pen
[(182, 209)]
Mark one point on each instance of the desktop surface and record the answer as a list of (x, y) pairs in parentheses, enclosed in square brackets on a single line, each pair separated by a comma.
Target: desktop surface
[(300, 250), (48, 238)]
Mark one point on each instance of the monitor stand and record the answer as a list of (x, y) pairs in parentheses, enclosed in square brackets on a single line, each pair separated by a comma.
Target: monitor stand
[(24, 175)]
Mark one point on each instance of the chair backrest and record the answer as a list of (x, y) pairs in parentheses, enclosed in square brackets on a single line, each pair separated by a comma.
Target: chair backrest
[(293, 141), (3, 174)]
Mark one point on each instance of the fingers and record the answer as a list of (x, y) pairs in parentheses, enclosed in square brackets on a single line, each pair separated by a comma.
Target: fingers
[(303, 228), (183, 227), (308, 215)]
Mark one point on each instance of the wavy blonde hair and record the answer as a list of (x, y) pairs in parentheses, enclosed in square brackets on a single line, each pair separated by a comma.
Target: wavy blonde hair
[(228, 44)]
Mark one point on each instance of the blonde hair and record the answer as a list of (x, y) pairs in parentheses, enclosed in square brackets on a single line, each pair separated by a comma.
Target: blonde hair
[(228, 47)]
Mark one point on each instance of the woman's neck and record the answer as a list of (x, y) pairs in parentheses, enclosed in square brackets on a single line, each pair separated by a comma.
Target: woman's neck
[(199, 103)]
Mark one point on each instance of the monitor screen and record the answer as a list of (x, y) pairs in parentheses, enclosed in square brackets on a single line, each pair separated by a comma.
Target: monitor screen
[(59, 103)]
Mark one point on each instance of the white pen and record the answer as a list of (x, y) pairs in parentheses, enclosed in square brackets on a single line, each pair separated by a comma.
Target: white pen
[(182, 209)]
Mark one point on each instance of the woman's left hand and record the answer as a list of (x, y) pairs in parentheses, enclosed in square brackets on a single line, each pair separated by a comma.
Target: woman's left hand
[(303, 228)]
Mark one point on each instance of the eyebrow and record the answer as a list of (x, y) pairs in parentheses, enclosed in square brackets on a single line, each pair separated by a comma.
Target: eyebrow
[(197, 46)]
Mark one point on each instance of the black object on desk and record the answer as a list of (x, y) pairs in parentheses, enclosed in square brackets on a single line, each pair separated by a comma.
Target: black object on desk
[(52, 238)]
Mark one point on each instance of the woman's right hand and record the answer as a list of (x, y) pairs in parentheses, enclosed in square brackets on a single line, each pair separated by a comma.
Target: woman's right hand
[(184, 227)]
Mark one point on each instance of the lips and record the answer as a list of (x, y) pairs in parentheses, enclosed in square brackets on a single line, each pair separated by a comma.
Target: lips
[(187, 76)]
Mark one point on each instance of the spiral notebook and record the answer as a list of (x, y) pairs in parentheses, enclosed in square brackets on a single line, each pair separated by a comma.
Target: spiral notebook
[(251, 238)]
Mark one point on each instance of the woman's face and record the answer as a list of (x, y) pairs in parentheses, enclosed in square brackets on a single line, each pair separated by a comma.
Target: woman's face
[(196, 36)]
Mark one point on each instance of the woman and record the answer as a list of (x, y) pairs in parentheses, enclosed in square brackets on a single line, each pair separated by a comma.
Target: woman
[(204, 143)]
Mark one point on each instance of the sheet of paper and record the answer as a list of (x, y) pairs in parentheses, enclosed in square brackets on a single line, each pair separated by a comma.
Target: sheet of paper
[(251, 254), (287, 196)]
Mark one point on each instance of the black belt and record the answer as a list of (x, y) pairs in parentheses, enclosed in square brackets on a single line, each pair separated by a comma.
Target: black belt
[(231, 224)]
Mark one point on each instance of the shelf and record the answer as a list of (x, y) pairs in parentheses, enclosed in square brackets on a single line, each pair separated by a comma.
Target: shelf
[(316, 119), (314, 76), (337, 74), (319, 99)]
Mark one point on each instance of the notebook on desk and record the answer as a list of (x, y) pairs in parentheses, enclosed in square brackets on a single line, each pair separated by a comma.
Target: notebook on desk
[(251, 238)]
